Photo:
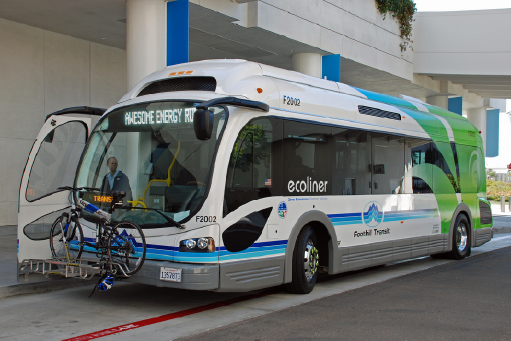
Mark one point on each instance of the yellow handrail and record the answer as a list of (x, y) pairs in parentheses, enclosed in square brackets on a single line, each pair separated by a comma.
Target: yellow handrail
[(141, 200)]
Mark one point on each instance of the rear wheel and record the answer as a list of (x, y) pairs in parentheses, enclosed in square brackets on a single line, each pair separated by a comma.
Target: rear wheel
[(461, 238), (66, 235), (305, 262), (127, 246)]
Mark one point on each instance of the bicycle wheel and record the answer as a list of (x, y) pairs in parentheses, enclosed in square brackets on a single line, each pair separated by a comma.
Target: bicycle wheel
[(126, 246), (66, 236)]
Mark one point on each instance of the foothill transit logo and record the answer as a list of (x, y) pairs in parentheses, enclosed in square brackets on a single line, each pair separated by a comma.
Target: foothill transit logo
[(372, 215)]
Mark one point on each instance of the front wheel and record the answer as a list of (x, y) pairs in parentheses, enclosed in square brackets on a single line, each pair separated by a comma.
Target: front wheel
[(305, 262), (66, 239), (127, 247)]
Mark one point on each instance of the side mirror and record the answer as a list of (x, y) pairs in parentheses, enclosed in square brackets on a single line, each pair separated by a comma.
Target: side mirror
[(203, 124)]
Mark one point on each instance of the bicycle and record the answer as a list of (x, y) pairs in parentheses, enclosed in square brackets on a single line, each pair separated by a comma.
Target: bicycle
[(121, 245)]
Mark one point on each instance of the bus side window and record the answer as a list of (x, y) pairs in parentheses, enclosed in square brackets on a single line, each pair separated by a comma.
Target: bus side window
[(251, 174), (307, 150), (351, 173), (417, 152), (387, 163)]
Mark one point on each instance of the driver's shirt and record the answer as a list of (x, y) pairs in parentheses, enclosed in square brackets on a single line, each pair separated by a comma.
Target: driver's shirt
[(112, 178)]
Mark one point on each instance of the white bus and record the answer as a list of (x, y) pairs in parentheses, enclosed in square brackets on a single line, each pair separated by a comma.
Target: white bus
[(254, 176)]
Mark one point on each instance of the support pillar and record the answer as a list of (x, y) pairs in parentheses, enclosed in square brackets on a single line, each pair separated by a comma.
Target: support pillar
[(145, 54), (492, 133), (455, 105), (477, 117), (441, 101), (331, 67), (307, 63), (145, 38)]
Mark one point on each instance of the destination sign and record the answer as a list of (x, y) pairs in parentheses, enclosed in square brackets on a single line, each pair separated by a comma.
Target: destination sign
[(167, 116)]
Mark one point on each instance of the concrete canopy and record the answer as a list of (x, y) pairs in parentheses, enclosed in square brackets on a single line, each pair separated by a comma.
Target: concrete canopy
[(215, 34)]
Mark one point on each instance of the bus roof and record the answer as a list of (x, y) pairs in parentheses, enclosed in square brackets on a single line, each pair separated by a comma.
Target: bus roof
[(259, 82)]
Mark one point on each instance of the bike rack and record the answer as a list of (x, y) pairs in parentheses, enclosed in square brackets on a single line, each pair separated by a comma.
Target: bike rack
[(69, 269)]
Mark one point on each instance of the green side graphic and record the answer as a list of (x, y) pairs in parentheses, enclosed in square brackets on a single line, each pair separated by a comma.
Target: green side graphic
[(438, 133), (436, 179), (469, 147)]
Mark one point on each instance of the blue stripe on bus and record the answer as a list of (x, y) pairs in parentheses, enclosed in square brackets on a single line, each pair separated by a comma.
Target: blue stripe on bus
[(356, 218), (237, 255)]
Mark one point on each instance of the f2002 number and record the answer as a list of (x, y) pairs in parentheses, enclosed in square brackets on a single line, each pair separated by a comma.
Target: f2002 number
[(291, 101), (205, 219)]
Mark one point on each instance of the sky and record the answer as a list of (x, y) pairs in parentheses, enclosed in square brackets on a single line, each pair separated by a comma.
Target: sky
[(459, 5), (504, 157)]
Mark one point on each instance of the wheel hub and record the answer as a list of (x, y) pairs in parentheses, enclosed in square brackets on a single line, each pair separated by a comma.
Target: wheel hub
[(461, 237), (310, 260)]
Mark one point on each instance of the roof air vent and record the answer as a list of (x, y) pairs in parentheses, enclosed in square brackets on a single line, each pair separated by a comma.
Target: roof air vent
[(180, 84), (378, 113)]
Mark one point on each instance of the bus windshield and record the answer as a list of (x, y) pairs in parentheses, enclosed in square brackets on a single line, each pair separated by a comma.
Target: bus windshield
[(150, 152)]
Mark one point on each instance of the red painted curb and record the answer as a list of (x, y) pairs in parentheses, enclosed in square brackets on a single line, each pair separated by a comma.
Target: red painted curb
[(163, 318)]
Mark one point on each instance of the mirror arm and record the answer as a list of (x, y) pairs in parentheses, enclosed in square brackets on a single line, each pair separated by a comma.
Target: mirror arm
[(245, 103), (79, 110)]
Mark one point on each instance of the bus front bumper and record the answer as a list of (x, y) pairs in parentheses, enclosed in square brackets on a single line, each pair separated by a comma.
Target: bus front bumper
[(193, 276)]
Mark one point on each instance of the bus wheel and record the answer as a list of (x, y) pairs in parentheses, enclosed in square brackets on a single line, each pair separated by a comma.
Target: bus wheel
[(461, 238), (305, 262)]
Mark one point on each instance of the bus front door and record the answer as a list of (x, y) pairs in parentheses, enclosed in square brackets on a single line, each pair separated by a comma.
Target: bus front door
[(52, 163)]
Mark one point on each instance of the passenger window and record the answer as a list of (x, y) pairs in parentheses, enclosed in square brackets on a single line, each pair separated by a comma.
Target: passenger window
[(387, 163), (308, 154), (351, 162), (417, 152)]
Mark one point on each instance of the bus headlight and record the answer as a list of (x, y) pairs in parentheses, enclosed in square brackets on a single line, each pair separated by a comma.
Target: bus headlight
[(204, 244), (190, 243)]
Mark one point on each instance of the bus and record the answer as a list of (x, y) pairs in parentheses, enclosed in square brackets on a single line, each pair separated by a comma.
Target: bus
[(248, 176)]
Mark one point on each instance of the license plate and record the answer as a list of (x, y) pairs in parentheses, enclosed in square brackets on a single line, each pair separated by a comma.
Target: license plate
[(170, 274)]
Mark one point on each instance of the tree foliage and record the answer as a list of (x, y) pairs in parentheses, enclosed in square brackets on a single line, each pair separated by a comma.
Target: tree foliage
[(402, 11)]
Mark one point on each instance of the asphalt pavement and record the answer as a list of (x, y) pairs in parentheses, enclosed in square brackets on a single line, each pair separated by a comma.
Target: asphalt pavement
[(468, 300)]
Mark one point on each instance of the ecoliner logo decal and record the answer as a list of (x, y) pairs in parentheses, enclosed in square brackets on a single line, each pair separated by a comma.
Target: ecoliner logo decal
[(307, 186)]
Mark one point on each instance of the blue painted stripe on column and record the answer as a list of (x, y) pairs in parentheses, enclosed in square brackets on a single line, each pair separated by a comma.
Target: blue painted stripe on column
[(177, 32), (456, 105), (492, 132), (331, 67)]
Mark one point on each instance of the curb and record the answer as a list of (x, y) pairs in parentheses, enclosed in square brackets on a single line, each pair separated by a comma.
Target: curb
[(43, 287)]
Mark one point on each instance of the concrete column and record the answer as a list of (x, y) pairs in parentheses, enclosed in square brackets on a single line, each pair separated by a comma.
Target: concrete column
[(145, 54), (492, 132), (439, 101), (456, 105), (145, 38), (307, 63), (477, 117)]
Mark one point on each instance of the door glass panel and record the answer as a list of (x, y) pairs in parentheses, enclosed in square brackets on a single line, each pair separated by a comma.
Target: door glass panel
[(56, 161), (40, 229)]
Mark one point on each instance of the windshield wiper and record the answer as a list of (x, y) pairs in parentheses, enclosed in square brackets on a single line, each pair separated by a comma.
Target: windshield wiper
[(169, 219)]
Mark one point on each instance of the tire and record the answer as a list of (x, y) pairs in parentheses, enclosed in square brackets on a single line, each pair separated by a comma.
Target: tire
[(460, 238), (127, 246), (73, 239), (305, 262)]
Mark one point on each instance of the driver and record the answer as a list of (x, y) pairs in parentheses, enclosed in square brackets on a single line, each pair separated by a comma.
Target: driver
[(115, 180)]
